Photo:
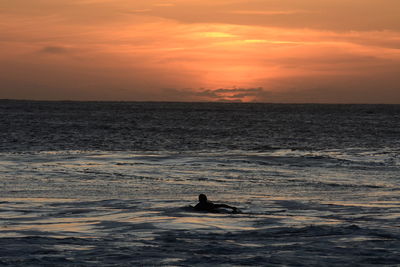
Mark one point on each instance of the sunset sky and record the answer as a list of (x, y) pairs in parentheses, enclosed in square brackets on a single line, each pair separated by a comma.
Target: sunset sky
[(326, 51)]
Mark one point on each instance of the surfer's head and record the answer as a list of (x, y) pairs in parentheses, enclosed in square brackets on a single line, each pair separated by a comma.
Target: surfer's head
[(202, 198)]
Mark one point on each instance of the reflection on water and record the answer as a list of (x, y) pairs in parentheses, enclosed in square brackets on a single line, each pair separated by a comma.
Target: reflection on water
[(145, 228), (82, 207), (74, 217)]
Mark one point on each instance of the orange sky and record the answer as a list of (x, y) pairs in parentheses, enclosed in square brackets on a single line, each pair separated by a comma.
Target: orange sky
[(327, 51)]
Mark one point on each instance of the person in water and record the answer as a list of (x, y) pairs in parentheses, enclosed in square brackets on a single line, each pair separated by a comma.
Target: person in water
[(205, 205)]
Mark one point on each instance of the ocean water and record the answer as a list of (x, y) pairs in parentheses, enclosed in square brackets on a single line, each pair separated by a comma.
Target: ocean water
[(110, 184)]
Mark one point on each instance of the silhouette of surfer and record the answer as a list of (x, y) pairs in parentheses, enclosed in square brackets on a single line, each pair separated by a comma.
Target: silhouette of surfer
[(205, 205)]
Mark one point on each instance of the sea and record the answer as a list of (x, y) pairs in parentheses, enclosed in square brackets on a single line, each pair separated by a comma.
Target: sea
[(111, 184)]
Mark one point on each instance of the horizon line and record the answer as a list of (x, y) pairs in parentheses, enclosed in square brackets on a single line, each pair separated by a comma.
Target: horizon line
[(196, 102)]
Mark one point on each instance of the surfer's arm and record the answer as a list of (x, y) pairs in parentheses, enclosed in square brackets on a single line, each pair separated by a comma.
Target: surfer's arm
[(224, 206)]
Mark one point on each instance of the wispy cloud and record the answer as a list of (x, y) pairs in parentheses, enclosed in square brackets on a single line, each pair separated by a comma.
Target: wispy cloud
[(132, 50), (270, 12), (139, 10), (54, 50), (220, 94), (164, 4)]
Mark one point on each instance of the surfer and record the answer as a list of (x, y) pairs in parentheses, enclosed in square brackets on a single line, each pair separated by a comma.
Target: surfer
[(205, 205)]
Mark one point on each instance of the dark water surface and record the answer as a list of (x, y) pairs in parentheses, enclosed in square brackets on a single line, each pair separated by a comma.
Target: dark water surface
[(108, 184), (35, 126)]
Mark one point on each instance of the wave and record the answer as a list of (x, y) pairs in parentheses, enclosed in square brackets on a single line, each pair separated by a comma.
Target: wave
[(290, 246)]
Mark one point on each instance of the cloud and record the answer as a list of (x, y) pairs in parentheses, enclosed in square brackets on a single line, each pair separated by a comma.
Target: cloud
[(250, 91), (54, 50), (297, 50), (218, 95), (335, 15), (140, 11), (164, 4), (269, 12)]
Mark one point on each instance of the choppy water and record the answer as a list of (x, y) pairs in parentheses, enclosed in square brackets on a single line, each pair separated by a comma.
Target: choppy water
[(109, 183)]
